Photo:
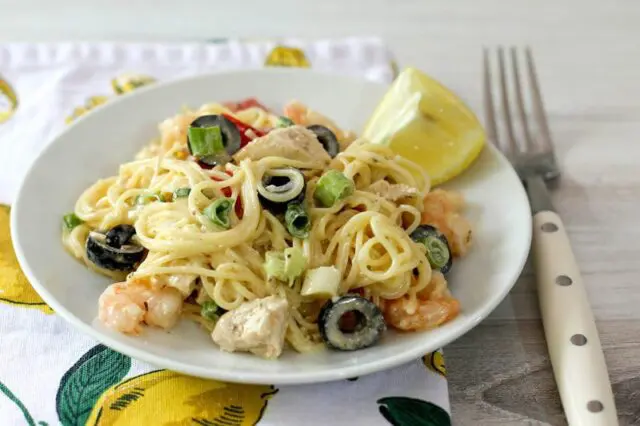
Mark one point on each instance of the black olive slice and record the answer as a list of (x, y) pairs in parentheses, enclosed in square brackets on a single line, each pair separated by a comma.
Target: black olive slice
[(123, 258), (350, 322), (438, 251), (327, 138), (120, 235)]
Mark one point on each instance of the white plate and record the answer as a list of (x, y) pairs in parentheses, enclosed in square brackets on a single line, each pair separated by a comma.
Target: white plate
[(93, 148)]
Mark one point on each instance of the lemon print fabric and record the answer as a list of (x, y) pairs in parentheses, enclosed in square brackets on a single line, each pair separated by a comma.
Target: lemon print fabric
[(82, 385), (98, 391), (14, 286), (121, 84), (405, 411), (126, 83), (172, 399), (422, 120), (91, 103), (93, 392), (5, 392), (285, 56), (8, 100), (434, 361)]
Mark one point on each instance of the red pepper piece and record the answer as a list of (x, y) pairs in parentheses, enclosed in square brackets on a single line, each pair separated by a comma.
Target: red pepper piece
[(226, 191), (242, 128), (245, 104)]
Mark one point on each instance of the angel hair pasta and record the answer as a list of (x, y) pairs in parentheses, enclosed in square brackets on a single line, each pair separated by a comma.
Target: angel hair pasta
[(267, 229)]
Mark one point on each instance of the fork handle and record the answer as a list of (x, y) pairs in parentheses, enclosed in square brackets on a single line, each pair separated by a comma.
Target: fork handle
[(572, 338)]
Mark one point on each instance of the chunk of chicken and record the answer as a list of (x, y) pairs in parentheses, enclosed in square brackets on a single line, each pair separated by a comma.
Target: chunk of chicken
[(305, 116), (393, 191), (295, 143), (257, 326)]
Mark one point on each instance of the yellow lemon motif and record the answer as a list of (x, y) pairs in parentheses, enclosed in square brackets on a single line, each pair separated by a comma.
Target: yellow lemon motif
[(8, 100), (434, 361), (14, 286), (126, 83), (89, 104), (171, 399), (284, 56)]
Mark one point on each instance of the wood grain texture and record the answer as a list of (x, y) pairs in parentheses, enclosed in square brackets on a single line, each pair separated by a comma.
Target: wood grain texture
[(588, 63), (500, 374)]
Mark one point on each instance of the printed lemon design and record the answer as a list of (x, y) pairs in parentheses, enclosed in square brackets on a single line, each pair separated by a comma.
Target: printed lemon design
[(171, 399), (8, 100), (14, 286), (126, 83), (283, 56), (90, 103), (434, 361), (404, 411)]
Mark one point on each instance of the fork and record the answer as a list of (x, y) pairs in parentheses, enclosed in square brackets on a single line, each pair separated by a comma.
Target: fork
[(572, 338)]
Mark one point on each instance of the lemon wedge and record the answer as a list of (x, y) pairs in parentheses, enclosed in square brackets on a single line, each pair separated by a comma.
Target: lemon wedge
[(423, 121)]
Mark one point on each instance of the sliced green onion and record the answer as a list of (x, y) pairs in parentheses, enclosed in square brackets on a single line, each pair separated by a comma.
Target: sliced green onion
[(181, 192), (285, 266), (205, 141), (332, 187), (295, 262), (437, 247), (284, 122), (210, 310), (437, 252), (274, 264), (148, 197), (218, 212), (297, 220), (70, 221)]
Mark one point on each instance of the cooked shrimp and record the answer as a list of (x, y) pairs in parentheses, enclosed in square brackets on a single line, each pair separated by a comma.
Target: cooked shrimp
[(164, 308), (296, 112), (125, 306), (422, 314), (443, 201), (441, 210), (302, 115), (118, 309), (436, 289)]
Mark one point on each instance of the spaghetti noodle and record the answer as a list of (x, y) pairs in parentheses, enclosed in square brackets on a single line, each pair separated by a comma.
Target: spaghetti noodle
[(366, 235)]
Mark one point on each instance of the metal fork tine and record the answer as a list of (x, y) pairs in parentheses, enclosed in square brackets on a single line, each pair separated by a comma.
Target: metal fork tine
[(536, 98), (520, 101), (490, 115), (533, 156), (505, 103)]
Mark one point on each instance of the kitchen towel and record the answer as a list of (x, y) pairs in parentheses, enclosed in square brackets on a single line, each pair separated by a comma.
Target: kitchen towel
[(51, 374)]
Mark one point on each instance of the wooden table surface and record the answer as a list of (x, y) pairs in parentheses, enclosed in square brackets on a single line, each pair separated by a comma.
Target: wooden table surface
[(589, 65)]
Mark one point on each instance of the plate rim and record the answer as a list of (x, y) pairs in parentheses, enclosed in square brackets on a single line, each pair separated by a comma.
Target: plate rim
[(237, 375)]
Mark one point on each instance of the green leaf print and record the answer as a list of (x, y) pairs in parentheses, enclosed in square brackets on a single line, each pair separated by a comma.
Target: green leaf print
[(403, 411), (27, 416), (82, 385)]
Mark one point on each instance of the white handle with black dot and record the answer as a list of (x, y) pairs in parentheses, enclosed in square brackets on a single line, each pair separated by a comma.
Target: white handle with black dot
[(569, 326)]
